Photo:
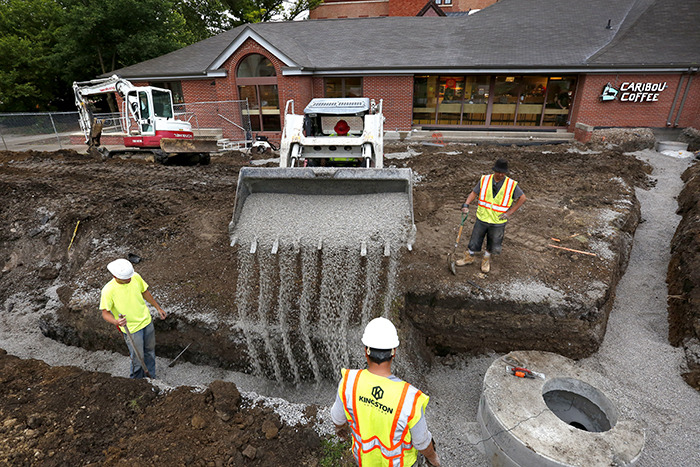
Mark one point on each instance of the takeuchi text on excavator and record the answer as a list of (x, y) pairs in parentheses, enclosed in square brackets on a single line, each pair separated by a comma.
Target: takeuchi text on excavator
[(147, 119)]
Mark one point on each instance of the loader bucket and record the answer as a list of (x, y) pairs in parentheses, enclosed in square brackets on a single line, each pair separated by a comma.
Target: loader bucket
[(321, 205), (178, 146)]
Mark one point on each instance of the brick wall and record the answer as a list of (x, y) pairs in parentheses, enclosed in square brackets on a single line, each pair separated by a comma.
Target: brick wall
[(397, 92), (406, 7), (351, 9), (590, 110)]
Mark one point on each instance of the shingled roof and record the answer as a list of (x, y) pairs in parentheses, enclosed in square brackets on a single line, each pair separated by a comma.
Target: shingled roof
[(512, 35)]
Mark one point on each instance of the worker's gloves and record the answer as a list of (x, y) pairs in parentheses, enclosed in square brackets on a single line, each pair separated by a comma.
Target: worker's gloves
[(504, 216), (342, 432), (465, 208)]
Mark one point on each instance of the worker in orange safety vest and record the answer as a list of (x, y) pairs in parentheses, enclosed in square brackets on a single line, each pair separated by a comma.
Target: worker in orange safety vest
[(386, 415), (496, 193)]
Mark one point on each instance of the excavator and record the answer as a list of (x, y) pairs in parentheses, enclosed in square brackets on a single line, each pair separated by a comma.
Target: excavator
[(331, 182), (147, 120)]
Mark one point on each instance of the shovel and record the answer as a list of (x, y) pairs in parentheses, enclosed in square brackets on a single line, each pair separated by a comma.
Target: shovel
[(136, 351), (459, 235), (172, 364)]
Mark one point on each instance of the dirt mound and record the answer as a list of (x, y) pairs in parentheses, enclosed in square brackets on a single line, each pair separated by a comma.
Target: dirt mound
[(55, 415), (624, 139), (684, 276), (692, 137)]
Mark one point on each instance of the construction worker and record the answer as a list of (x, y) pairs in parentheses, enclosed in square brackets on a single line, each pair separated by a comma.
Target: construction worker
[(496, 193), (125, 295), (341, 128), (386, 415)]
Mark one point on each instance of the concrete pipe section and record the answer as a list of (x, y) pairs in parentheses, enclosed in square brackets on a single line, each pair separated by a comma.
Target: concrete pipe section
[(553, 416)]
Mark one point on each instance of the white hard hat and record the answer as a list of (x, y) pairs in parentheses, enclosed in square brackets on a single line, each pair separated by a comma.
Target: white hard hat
[(121, 268), (380, 334)]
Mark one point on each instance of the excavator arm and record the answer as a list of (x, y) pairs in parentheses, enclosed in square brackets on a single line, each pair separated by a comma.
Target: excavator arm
[(91, 127)]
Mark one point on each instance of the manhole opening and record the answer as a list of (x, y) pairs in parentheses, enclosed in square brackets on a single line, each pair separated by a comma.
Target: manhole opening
[(579, 405)]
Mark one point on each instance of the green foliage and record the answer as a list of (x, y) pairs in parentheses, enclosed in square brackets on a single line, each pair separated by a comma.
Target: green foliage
[(336, 453), (45, 45), (27, 71)]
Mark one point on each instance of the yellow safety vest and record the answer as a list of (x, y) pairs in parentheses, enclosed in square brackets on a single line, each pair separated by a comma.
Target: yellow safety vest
[(491, 207), (380, 413)]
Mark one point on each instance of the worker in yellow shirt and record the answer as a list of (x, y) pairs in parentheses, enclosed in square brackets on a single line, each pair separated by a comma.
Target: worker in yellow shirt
[(124, 295), (386, 415)]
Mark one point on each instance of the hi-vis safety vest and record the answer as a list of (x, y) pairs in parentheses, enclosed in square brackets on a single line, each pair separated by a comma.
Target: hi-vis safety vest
[(490, 206), (380, 412)]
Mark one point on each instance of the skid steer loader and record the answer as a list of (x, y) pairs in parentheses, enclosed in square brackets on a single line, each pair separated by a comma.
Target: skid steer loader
[(330, 183)]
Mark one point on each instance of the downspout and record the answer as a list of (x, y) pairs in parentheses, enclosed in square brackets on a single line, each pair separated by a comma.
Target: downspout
[(685, 95), (675, 99)]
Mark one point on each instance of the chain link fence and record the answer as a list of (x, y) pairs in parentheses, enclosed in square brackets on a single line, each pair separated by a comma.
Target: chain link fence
[(226, 121), (23, 131)]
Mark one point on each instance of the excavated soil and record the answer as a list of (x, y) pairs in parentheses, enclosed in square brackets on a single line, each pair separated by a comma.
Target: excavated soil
[(684, 277), (66, 215)]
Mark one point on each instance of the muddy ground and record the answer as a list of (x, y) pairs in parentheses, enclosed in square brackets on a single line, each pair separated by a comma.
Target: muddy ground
[(175, 219)]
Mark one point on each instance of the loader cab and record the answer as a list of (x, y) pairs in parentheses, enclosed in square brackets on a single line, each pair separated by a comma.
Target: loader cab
[(322, 115)]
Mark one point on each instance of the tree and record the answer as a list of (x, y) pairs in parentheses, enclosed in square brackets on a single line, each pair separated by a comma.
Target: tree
[(99, 36), (256, 11), (45, 45), (28, 77)]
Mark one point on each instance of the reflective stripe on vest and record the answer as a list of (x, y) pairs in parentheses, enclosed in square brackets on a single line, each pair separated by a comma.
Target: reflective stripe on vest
[(375, 442), (490, 207)]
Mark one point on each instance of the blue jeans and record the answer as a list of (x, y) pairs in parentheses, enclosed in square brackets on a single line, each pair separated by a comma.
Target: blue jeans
[(145, 341), (494, 237)]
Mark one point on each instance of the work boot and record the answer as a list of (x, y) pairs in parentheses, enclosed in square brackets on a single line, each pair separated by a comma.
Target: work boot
[(486, 264), (468, 259)]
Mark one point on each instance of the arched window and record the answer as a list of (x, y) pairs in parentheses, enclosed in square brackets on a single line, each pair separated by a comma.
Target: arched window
[(257, 82)]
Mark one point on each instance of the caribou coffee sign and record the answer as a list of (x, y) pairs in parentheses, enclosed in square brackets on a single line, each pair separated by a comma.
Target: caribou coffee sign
[(633, 92)]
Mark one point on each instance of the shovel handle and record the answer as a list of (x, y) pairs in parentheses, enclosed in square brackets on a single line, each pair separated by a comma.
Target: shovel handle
[(461, 226)]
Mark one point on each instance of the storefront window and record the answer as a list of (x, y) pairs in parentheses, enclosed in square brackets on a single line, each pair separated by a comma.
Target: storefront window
[(505, 100), (258, 83), (476, 100), (482, 100), (559, 96), (531, 100), (343, 87), (424, 100), (451, 95)]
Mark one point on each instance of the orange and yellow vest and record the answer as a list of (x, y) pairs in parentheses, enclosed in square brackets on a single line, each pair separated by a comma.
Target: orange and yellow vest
[(490, 206), (380, 413)]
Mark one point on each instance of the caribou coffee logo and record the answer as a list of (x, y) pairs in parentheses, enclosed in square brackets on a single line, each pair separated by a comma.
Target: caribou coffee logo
[(633, 92)]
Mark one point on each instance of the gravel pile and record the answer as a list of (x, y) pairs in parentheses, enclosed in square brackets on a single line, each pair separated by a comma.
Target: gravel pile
[(625, 139)]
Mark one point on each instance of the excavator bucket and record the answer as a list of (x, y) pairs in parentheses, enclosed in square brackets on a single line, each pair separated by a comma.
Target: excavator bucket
[(178, 146), (364, 208)]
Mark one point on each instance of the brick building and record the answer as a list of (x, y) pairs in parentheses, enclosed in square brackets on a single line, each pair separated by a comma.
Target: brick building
[(627, 63), (334, 9)]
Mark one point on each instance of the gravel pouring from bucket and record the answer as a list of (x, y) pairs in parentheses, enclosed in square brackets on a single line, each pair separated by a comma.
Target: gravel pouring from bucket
[(451, 257)]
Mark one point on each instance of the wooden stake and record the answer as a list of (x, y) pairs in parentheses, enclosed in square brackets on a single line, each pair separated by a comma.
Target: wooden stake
[(73, 237), (572, 250), (556, 239)]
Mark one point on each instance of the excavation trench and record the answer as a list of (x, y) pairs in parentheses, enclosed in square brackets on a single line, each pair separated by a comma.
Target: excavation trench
[(290, 311)]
